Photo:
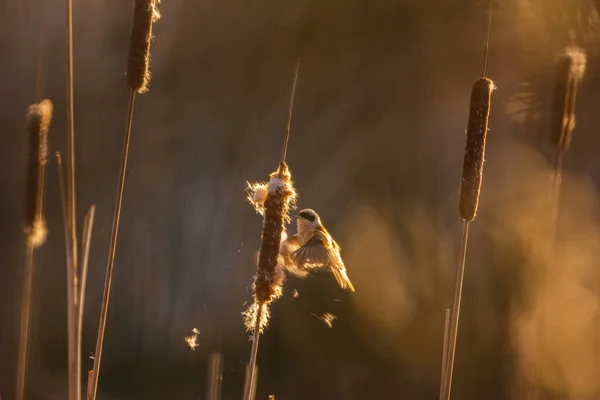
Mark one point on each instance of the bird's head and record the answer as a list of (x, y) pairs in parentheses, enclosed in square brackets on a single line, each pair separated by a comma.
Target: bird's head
[(307, 218)]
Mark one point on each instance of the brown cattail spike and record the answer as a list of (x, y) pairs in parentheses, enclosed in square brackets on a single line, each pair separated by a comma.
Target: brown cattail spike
[(138, 64), (39, 117), (280, 197), (570, 69), (477, 128), (269, 278)]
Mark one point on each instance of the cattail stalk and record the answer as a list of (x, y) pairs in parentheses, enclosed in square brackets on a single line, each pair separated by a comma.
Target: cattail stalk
[(74, 382), (469, 202), (39, 117), (88, 224), (76, 307), (138, 79), (268, 282), (275, 207), (472, 174), (251, 390), (70, 220)]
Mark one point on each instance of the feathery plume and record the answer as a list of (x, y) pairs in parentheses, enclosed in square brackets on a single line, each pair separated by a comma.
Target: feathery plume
[(192, 340)]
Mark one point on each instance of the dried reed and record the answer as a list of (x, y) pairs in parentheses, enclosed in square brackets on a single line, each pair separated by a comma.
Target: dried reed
[(268, 281), (570, 68), (469, 201), (445, 349), (76, 291), (70, 221), (39, 117), (274, 201), (251, 390), (138, 78), (472, 174), (88, 224)]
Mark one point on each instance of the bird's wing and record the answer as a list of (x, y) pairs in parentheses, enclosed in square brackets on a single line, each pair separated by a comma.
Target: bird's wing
[(287, 249), (289, 245), (322, 251)]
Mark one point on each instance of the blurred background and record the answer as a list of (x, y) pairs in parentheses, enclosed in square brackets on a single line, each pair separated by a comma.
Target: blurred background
[(376, 149)]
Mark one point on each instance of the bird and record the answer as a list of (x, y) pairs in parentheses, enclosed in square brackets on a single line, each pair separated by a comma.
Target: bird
[(313, 248)]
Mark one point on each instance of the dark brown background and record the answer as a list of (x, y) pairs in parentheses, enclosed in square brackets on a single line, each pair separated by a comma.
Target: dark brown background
[(376, 148)]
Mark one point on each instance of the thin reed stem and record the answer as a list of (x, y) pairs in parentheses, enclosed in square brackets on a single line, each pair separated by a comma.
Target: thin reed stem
[(250, 385), (556, 182), (93, 378), (534, 389), (74, 364), (86, 239), (447, 386), (487, 40), (445, 350), (74, 380), (72, 222), (289, 117), (71, 128), (25, 321)]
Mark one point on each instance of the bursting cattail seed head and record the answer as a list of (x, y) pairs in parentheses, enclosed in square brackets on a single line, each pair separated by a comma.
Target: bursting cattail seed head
[(477, 128), (275, 207), (138, 63), (39, 117), (570, 68)]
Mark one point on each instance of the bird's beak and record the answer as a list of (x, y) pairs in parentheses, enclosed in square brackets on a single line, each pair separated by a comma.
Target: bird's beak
[(296, 216)]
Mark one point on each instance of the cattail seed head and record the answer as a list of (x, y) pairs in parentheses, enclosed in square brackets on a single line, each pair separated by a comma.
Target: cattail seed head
[(39, 117), (477, 128), (280, 198), (570, 68), (138, 63)]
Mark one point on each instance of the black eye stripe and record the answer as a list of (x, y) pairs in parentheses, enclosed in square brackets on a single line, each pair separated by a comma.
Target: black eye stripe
[(308, 216)]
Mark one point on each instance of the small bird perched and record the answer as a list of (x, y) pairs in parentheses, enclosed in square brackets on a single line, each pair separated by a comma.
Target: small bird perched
[(313, 248)]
